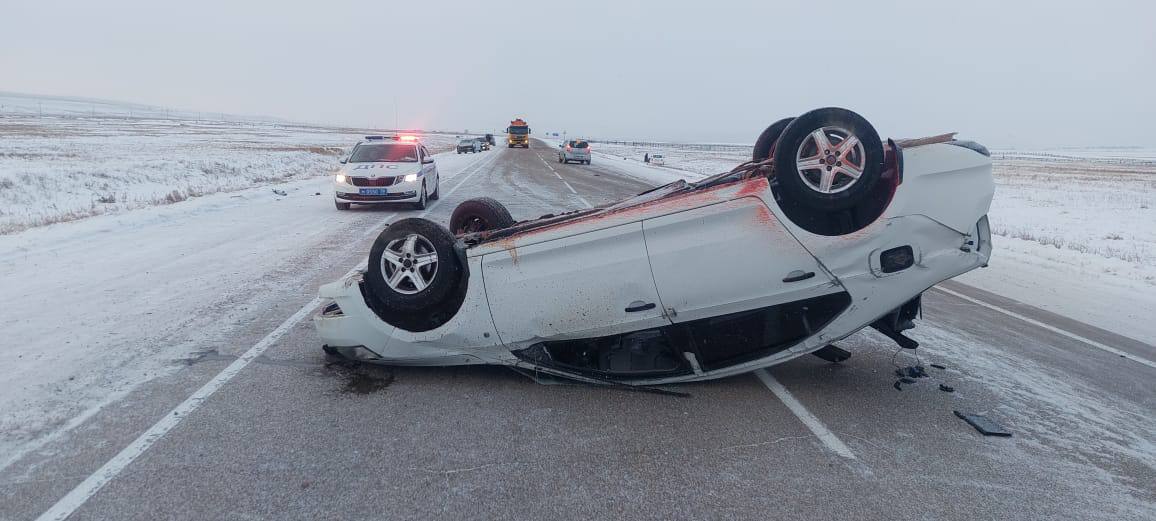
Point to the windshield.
(579, 144)
(384, 153)
(466, 142)
(519, 130)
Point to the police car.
(387, 169)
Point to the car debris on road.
(983, 424)
(827, 230)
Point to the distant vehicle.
(485, 144)
(469, 146)
(574, 150)
(387, 169)
(490, 139)
(518, 134)
(826, 231)
(657, 159)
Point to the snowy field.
(1075, 228)
(81, 159)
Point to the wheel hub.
(409, 264)
(830, 160)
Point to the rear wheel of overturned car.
(478, 215)
(413, 267)
(765, 145)
(828, 159)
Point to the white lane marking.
(110, 470)
(1037, 323)
(90, 486)
(829, 439)
(572, 190)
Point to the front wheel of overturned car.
(413, 266)
(828, 159)
(478, 215)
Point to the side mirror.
(344, 160)
(427, 160)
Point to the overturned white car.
(826, 231)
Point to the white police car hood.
(391, 169)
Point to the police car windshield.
(384, 153)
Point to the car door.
(429, 169)
(587, 285)
(729, 257)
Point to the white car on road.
(574, 150)
(826, 231)
(387, 169)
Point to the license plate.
(373, 191)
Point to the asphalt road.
(296, 436)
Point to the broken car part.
(983, 424)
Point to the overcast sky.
(1004, 73)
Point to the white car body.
(716, 252)
(657, 160)
(379, 182)
(574, 150)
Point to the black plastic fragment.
(916, 371)
(832, 353)
(897, 387)
(906, 380)
(937, 366)
(984, 425)
(946, 388)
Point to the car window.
(424, 151)
(384, 153)
(579, 144)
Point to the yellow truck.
(518, 134)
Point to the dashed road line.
(88, 488)
(1054, 329)
(828, 438)
(559, 176)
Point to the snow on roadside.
(56, 169)
(94, 308)
(1078, 238)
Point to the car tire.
(828, 186)
(423, 199)
(416, 288)
(480, 214)
(765, 144)
(342, 206)
(437, 193)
